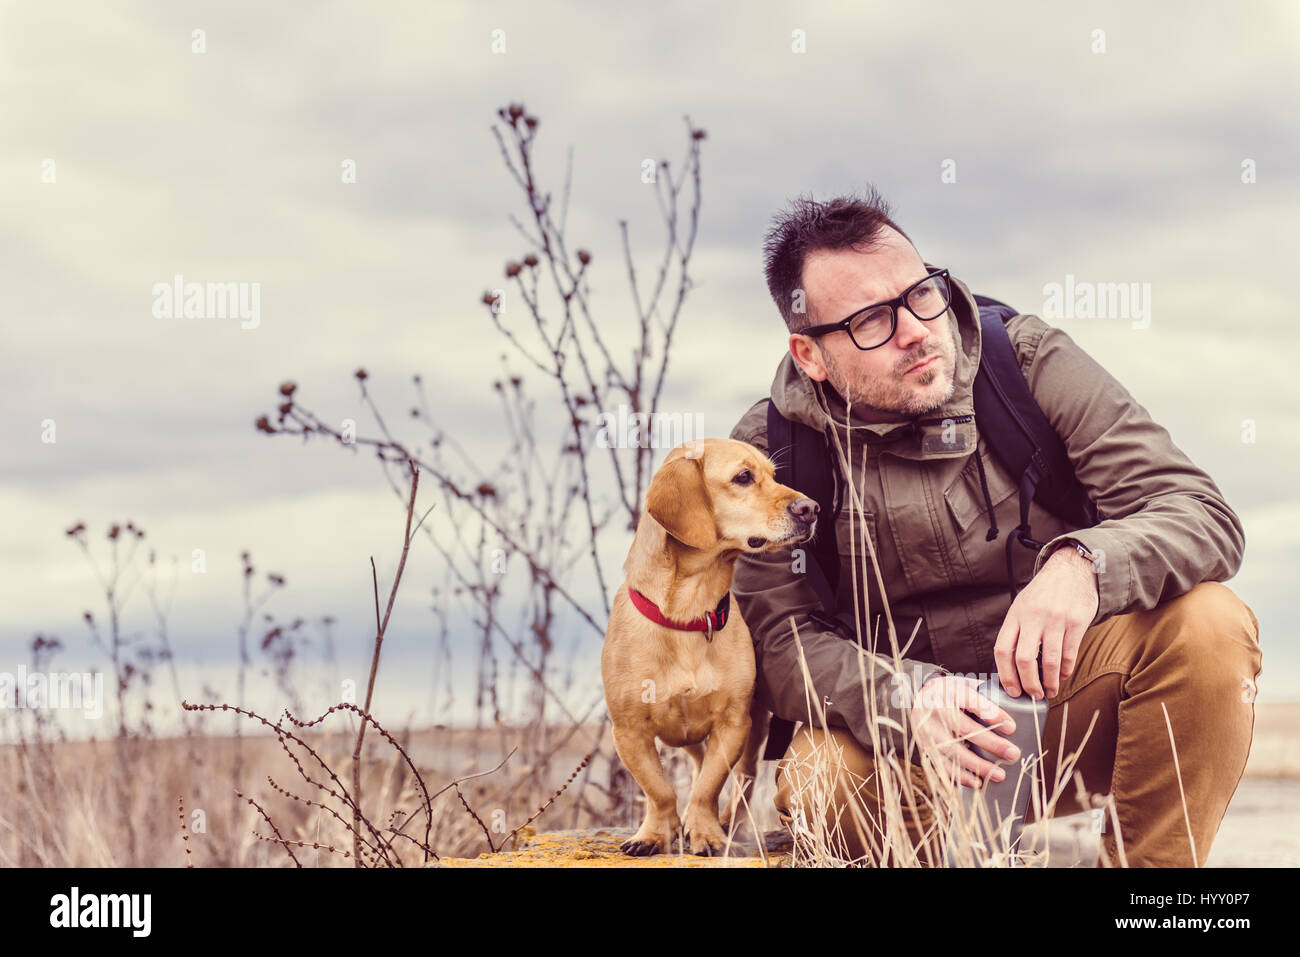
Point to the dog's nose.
(805, 510)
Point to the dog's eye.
(744, 478)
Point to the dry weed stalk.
(544, 510)
(185, 831)
(380, 627)
(370, 846)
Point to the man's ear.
(678, 500)
(807, 357)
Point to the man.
(1129, 618)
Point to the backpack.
(1012, 424)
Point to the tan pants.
(1198, 655)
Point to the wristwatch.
(1078, 547)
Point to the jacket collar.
(712, 621)
(818, 405)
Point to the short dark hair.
(845, 222)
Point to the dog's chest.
(689, 703)
(694, 690)
(692, 673)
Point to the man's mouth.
(922, 366)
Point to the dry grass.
(960, 833)
(61, 800)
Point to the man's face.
(876, 381)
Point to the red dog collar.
(712, 621)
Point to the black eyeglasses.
(871, 327)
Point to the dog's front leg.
(640, 756)
(703, 830)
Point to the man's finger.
(960, 762)
(948, 744)
(1070, 650)
(967, 697)
(995, 717)
(1003, 654)
(1053, 641)
(1027, 659)
(972, 762)
(933, 739)
(990, 741)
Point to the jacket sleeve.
(856, 690)
(1165, 525)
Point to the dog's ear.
(678, 501)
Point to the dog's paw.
(707, 844)
(635, 847)
(648, 840)
(704, 835)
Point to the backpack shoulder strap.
(1010, 420)
(802, 457)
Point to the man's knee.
(1212, 606)
(826, 785)
(1212, 634)
(819, 752)
(825, 770)
(822, 766)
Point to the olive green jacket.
(1165, 528)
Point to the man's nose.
(910, 329)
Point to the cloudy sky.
(1109, 145)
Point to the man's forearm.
(848, 686)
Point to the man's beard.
(887, 395)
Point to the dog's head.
(722, 494)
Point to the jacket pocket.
(856, 563)
(965, 496)
(985, 560)
(850, 531)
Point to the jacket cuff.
(923, 672)
(906, 688)
(1110, 563)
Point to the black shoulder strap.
(802, 457)
(1011, 422)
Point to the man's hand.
(939, 720)
(1052, 612)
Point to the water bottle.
(1003, 801)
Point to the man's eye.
(744, 478)
(871, 320)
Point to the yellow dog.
(678, 660)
